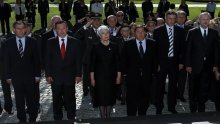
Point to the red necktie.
(63, 49)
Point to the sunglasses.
(120, 15)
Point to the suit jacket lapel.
(68, 47)
(165, 33)
(58, 47)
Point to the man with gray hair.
(201, 61)
(180, 22)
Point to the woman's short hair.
(101, 29)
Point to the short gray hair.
(101, 29)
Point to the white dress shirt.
(143, 44)
(97, 8)
(168, 29)
(202, 31)
(17, 9)
(60, 41)
(211, 7)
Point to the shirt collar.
(167, 26)
(22, 39)
(65, 38)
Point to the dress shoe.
(10, 112)
(122, 102)
(173, 111)
(159, 111)
(182, 99)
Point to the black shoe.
(10, 112)
(159, 111)
(173, 111)
(85, 93)
(122, 102)
(182, 99)
(1, 110)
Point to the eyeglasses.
(120, 15)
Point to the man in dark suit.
(170, 39)
(38, 39)
(31, 11)
(147, 9)
(201, 61)
(88, 37)
(138, 62)
(5, 14)
(180, 21)
(49, 34)
(163, 7)
(22, 70)
(63, 69)
(43, 9)
(5, 86)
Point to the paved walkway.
(84, 107)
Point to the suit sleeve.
(182, 47)
(118, 59)
(79, 60)
(124, 59)
(216, 47)
(7, 62)
(93, 60)
(36, 59)
(48, 58)
(189, 40)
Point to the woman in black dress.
(105, 72)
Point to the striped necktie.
(20, 48)
(170, 35)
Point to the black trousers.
(25, 92)
(43, 18)
(86, 78)
(3, 22)
(181, 83)
(19, 17)
(199, 89)
(31, 19)
(138, 97)
(217, 96)
(171, 69)
(63, 94)
(7, 95)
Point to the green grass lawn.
(194, 12)
(136, 1)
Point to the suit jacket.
(163, 8)
(23, 69)
(45, 37)
(133, 66)
(31, 8)
(161, 36)
(43, 7)
(5, 11)
(64, 11)
(38, 40)
(199, 51)
(2, 42)
(146, 8)
(63, 71)
(88, 38)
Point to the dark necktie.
(205, 35)
(20, 10)
(170, 35)
(20, 48)
(63, 49)
(141, 50)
